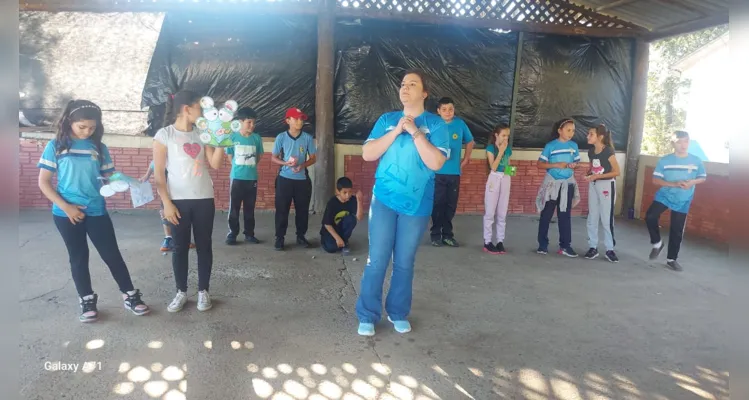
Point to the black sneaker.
(569, 252)
(451, 242)
(231, 239)
(279, 244)
(500, 248)
(674, 265)
(134, 303)
(437, 242)
(251, 239)
(591, 254)
(542, 250)
(302, 241)
(611, 256)
(490, 248)
(89, 313)
(656, 251)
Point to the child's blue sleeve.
(311, 147)
(576, 154)
(277, 145)
(659, 171)
(439, 136)
(701, 173)
(107, 165)
(48, 160)
(508, 152)
(545, 153)
(467, 135)
(378, 130)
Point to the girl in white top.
(188, 194)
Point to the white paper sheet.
(141, 193)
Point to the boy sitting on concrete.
(341, 215)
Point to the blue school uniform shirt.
(505, 157)
(402, 181)
(78, 170)
(557, 151)
(299, 147)
(458, 135)
(245, 153)
(673, 168)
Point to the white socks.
(657, 245)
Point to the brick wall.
(472, 184)
(709, 213)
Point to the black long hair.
(78, 110)
(175, 102)
(557, 126)
(601, 130)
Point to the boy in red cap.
(294, 150)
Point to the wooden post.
(324, 108)
(515, 86)
(636, 122)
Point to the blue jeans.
(563, 217)
(391, 235)
(344, 229)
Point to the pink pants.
(496, 200)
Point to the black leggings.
(198, 215)
(101, 232)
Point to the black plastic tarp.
(475, 67)
(588, 79)
(266, 62)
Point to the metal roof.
(663, 17)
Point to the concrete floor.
(518, 326)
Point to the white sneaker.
(204, 301)
(179, 301)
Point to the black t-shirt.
(335, 211)
(599, 163)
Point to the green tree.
(662, 117)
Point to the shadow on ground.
(518, 326)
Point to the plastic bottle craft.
(118, 183)
(216, 126)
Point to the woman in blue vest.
(411, 145)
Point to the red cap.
(295, 113)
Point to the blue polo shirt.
(458, 135)
(78, 170)
(402, 181)
(505, 156)
(287, 146)
(557, 151)
(672, 168)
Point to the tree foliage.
(662, 116)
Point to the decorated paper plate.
(119, 186)
(107, 191)
(217, 125)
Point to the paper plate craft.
(107, 191)
(140, 192)
(216, 126)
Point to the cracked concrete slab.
(283, 326)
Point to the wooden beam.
(614, 4)
(324, 109)
(488, 23)
(589, 13)
(685, 27)
(636, 122)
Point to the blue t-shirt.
(505, 157)
(458, 135)
(300, 147)
(672, 168)
(245, 153)
(557, 151)
(78, 170)
(402, 181)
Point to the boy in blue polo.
(294, 150)
(245, 155)
(447, 179)
(676, 174)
